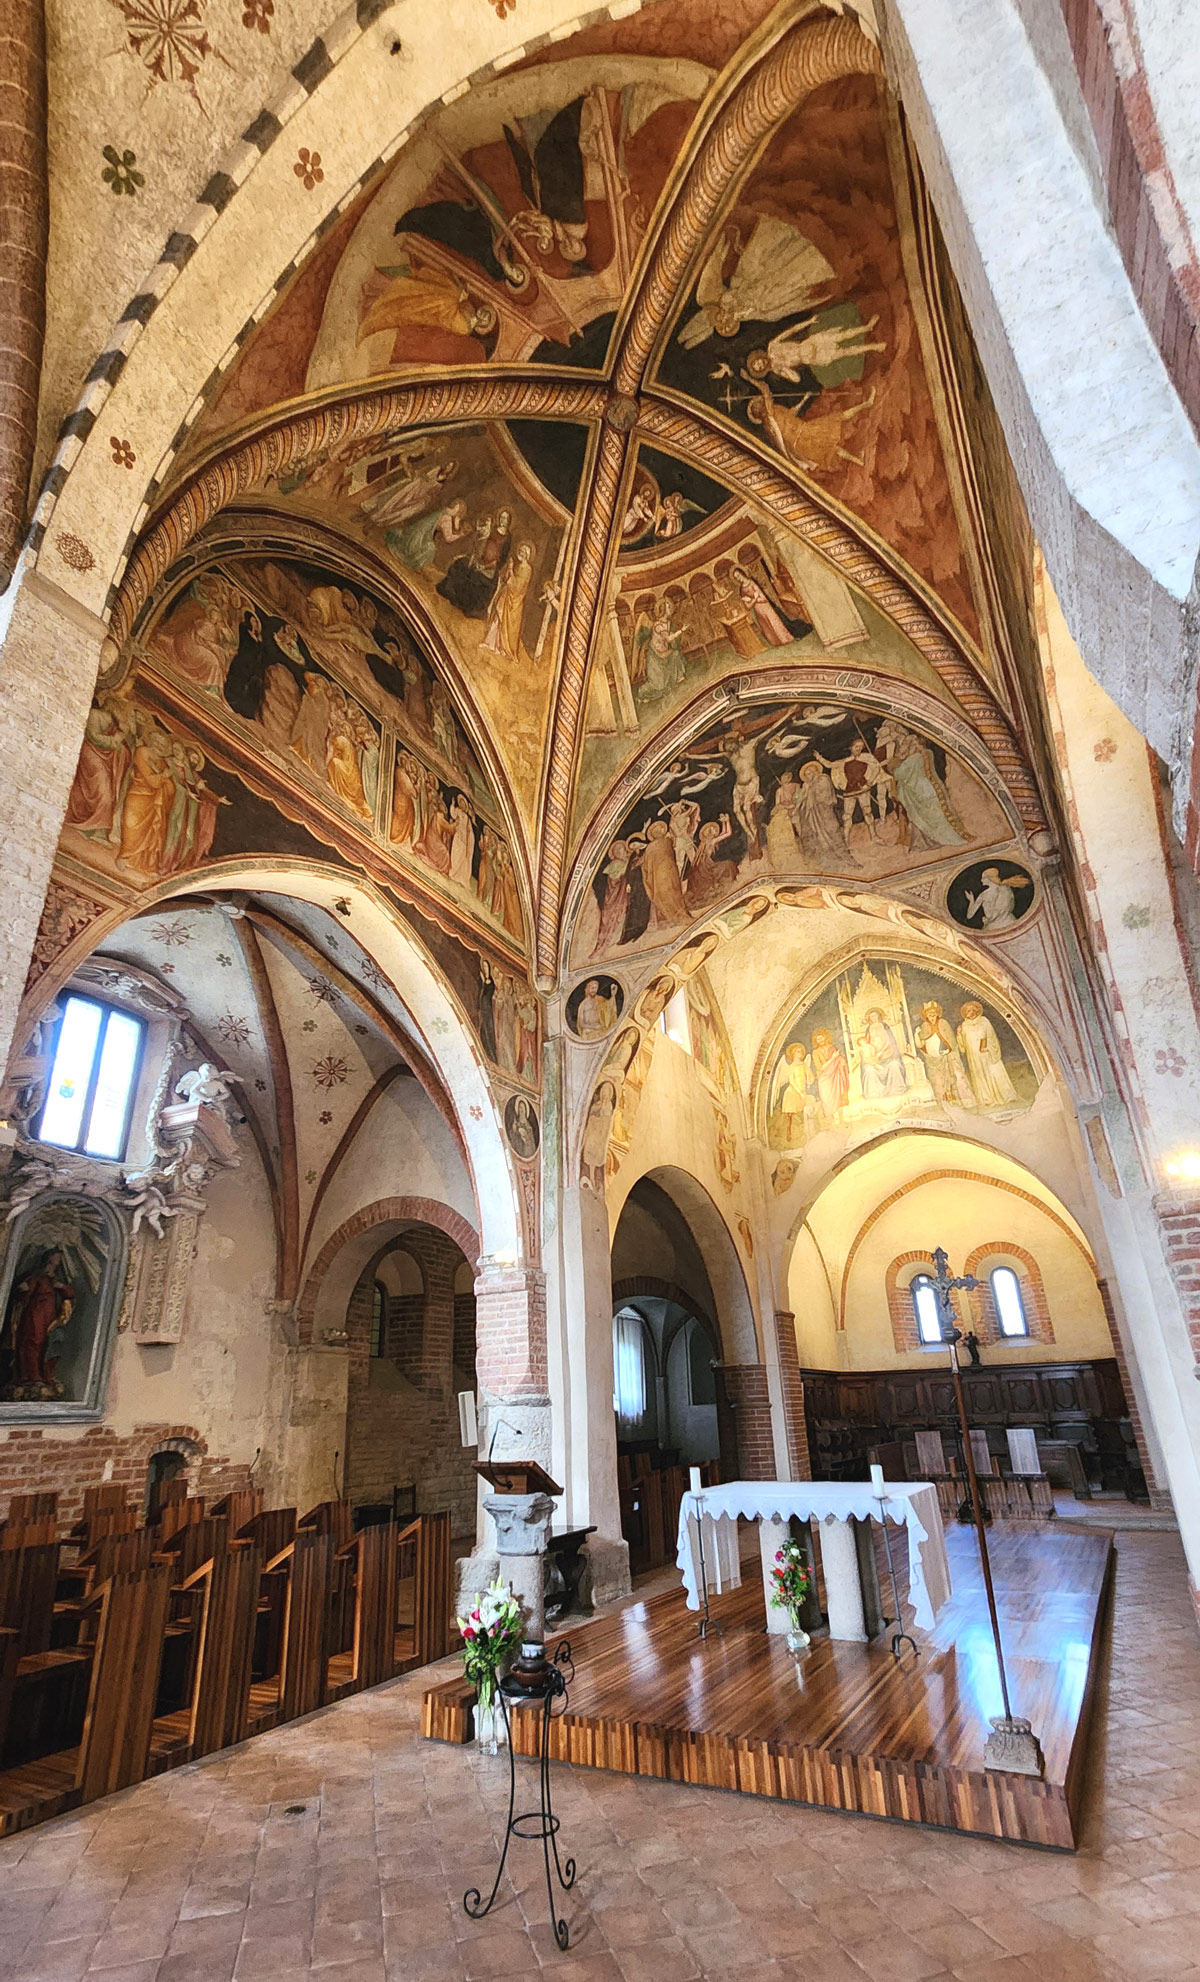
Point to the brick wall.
(795, 1420)
(404, 1426)
(31, 1461)
(744, 1419)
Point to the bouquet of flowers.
(791, 1580)
(491, 1634)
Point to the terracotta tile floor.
(203, 1876)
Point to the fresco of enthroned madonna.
(889, 1038)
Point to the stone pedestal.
(843, 1586)
(522, 1531)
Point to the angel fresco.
(780, 788)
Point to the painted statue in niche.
(889, 1038)
(800, 330)
(778, 789)
(60, 1282)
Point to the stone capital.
(522, 1521)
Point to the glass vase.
(797, 1636)
(491, 1732)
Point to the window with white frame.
(629, 1368)
(925, 1307)
(97, 1054)
(1008, 1302)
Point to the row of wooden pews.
(131, 1646)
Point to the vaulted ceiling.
(626, 414)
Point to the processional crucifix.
(1012, 1744)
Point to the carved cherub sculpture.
(210, 1085)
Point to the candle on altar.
(877, 1486)
(694, 1478)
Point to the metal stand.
(542, 1822)
(708, 1629)
(898, 1637)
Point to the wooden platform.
(847, 1727)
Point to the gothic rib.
(289, 1169)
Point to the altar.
(708, 1555)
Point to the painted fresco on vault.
(777, 789)
(744, 597)
(511, 221)
(800, 329)
(465, 526)
(322, 692)
(887, 1038)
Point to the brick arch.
(938, 1176)
(385, 1210)
(1033, 1292)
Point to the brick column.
(1179, 1222)
(742, 1395)
(510, 1333)
(794, 1417)
(24, 235)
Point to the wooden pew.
(272, 1530)
(329, 1517)
(34, 1506)
(175, 1515)
(163, 1494)
(28, 1584)
(239, 1507)
(129, 1616)
(223, 1593)
(297, 1686)
(431, 1599)
(372, 1556)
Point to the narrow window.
(925, 1306)
(96, 1058)
(378, 1317)
(702, 1387)
(629, 1369)
(1010, 1308)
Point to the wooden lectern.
(517, 1476)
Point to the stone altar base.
(847, 1727)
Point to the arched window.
(629, 1368)
(97, 1052)
(925, 1307)
(378, 1317)
(1006, 1296)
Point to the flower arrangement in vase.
(491, 1633)
(791, 1582)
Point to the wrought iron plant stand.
(549, 1684)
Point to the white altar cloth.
(912, 1505)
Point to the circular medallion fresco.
(521, 1127)
(594, 1007)
(990, 895)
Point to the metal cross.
(944, 1284)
